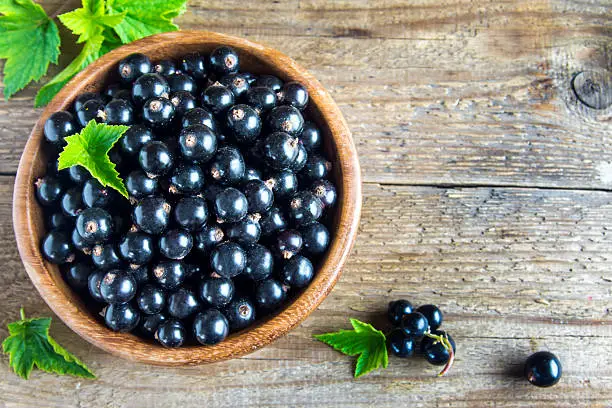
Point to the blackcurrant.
(246, 231)
(244, 123)
(91, 110)
(117, 286)
(79, 174)
(260, 262)
(49, 190)
(155, 159)
(237, 83)
(261, 98)
(269, 81)
(316, 238)
(294, 94)
(272, 222)
(230, 205)
(135, 138)
(105, 257)
(400, 344)
(194, 65)
(434, 352)
(284, 184)
(119, 112)
(259, 196)
(198, 143)
(297, 272)
(182, 303)
(158, 112)
(77, 275)
(288, 243)
(121, 317)
(169, 275)
(210, 327)
(300, 160)
(325, 191)
(251, 173)
(136, 248)
(311, 137)
(180, 81)
(84, 97)
(280, 150)
(60, 220)
(432, 314)
(149, 86)
(150, 323)
(72, 202)
(414, 324)
(175, 244)
(269, 294)
(224, 60)
(199, 116)
(187, 178)
(240, 313)
(152, 215)
(228, 259)
(93, 285)
(58, 126)
(132, 67)
(217, 98)
(227, 167)
(397, 310)
(305, 208)
(285, 119)
(217, 292)
(95, 195)
(170, 333)
(140, 273)
(139, 185)
(191, 213)
(209, 237)
(183, 102)
(95, 225)
(79, 243)
(543, 369)
(164, 67)
(317, 167)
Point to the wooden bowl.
(29, 225)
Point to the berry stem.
(448, 346)
(22, 313)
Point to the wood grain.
(437, 93)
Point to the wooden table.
(487, 192)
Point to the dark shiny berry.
(284, 184)
(325, 191)
(191, 213)
(72, 203)
(164, 67)
(93, 285)
(183, 102)
(246, 231)
(77, 275)
(305, 208)
(543, 369)
(414, 324)
(139, 185)
(280, 150)
(119, 112)
(198, 143)
(294, 94)
(228, 259)
(230, 205)
(273, 221)
(199, 116)
(261, 98)
(170, 333)
(152, 215)
(169, 275)
(237, 83)
(187, 178)
(434, 352)
(121, 317)
(149, 86)
(95, 195)
(224, 60)
(217, 98)
(269, 294)
(84, 97)
(155, 159)
(135, 138)
(79, 243)
(140, 273)
(158, 112)
(58, 126)
(400, 344)
(297, 272)
(105, 257)
(217, 292)
(397, 310)
(316, 238)
(251, 173)
(79, 174)
(181, 82)
(285, 119)
(91, 110)
(289, 243)
(132, 67)
(210, 327)
(311, 137)
(137, 248)
(117, 286)
(182, 303)
(194, 65)
(240, 314)
(49, 190)
(227, 167)
(175, 244)
(300, 160)
(259, 264)
(317, 167)
(432, 314)
(150, 323)
(208, 238)
(259, 196)
(60, 220)
(269, 81)
(95, 225)
(244, 123)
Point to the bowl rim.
(127, 345)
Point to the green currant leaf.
(90, 150)
(145, 17)
(29, 344)
(90, 20)
(29, 41)
(365, 341)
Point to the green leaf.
(90, 20)
(29, 344)
(29, 41)
(145, 17)
(365, 341)
(90, 150)
(89, 53)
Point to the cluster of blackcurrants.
(412, 326)
(229, 197)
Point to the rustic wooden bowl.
(29, 224)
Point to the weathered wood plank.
(439, 93)
(515, 270)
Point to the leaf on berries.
(145, 17)
(90, 148)
(29, 41)
(90, 20)
(29, 344)
(365, 341)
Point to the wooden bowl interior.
(69, 306)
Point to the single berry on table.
(432, 314)
(543, 369)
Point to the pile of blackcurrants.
(229, 198)
(422, 324)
